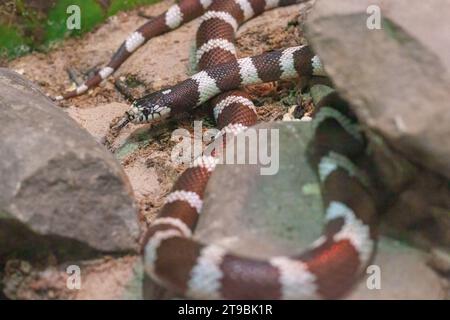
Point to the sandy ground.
(144, 151)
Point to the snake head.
(148, 108)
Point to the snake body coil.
(332, 264)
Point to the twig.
(124, 89)
(144, 15)
(73, 76)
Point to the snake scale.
(333, 263)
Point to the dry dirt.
(161, 62)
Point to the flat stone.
(264, 217)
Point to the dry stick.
(124, 90)
(73, 76)
(146, 16)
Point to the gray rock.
(264, 217)
(397, 78)
(59, 187)
(282, 214)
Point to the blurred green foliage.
(119, 5)
(12, 43)
(55, 29)
(36, 25)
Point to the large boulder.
(396, 77)
(265, 216)
(60, 189)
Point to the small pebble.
(440, 260)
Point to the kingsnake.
(331, 265)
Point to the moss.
(133, 290)
(394, 32)
(4, 215)
(120, 5)
(91, 15)
(311, 189)
(126, 149)
(133, 82)
(28, 28)
(13, 44)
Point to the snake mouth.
(130, 117)
(122, 123)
